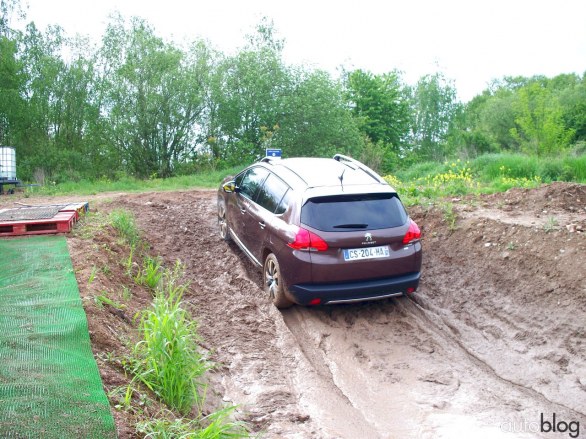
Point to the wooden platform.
(28, 221)
(80, 209)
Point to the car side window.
(284, 204)
(238, 179)
(252, 181)
(271, 193)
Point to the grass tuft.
(217, 425)
(167, 359)
(124, 222)
(151, 273)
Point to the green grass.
(167, 359)
(92, 276)
(550, 225)
(124, 222)
(151, 273)
(103, 299)
(217, 425)
(429, 181)
(421, 170)
(450, 217)
(210, 179)
(490, 173)
(491, 167)
(449, 179)
(92, 223)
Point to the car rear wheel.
(223, 224)
(273, 285)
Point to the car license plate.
(355, 254)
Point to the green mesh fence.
(50, 386)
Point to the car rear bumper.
(348, 292)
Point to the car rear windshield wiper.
(351, 226)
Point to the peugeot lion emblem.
(368, 237)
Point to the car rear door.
(240, 219)
(262, 213)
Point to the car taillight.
(413, 233)
(306, 240)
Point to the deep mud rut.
(493, 339)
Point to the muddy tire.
(223, 224)
(273, 283)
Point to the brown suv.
(324, 231)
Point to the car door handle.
(262, 224)
(242, 210)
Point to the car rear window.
(354, 212)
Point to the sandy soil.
(493, 341)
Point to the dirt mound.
(512, 291)
(551, 206)
(556, 196)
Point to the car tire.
(273, 283)
(223, 224)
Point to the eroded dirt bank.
(494, 338)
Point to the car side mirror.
(230, 187)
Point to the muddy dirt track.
(493, 342)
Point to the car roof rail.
(266, 160)
(344, 158)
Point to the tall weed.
(151, 273)
(167, 359)
(124, 222)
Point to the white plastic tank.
(7, 163)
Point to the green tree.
(11, 105)
(314, 119)
(7, 9)
(258, 102)
(488, 119)
(540, 127)
(572, 98)
(248, 94)
(153, 97)
(53, 132)
(43, 71)
(434, 107)
(536, 115)
(11, 82)
(381, 107)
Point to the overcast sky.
(470, 41)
